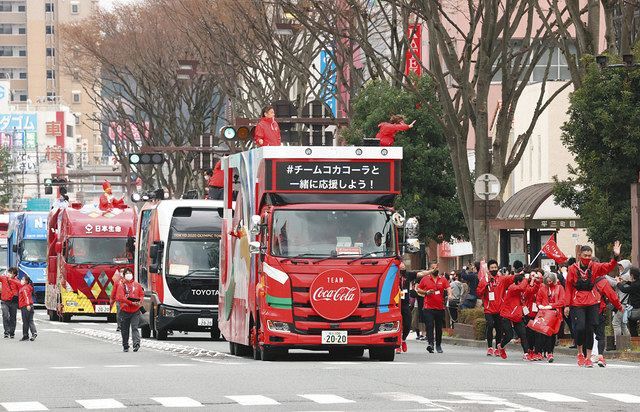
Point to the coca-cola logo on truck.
(334, 294)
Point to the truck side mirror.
(131, 244)
(154, 268)
(14, 248)
(255, 224)
(153, 251)
(255, 247)
(58, 248)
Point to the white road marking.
(342, 363)
(504, 363)
(253, 400)
(178, 402)
(176, 364)
(12, 369)
(67, 367)
(56, 330)
(445, 363)
(484, 399)
(620, 397)
(120, 366)
(100, 404)
(409, 397)
(24, 406)
(551, 397)
(326, 399)
(617, 366)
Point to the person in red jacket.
(117, 284)
(550, 296)
(433, 288)
(388, 130)
(582, 299)
(130, 295)
(9, 298)
(530, 311)
(511, 314)
(608, 294)
(491, 287)
(267, 131)
(25, 303)
(107, 201)
(215, 182)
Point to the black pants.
(507, 333)
(130, 320)
(405, 309)
(27, 322)
(453, 313)
(421, 317)
(494, 322)
(534, 339)
(435, 320)
(9, 312)
(544, 343)
(633, 327)
(216, 193)
(600, 332)
(585, 322)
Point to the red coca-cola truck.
(309, 254)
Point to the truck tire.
(66, 317)
(268, 354)
(145, 331)
(161, 334)
(257, 352)
(53, 315)
(112, 318)
(242, 350)
(232, 348)
(382, 354)
(215, 333)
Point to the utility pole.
(37, 167)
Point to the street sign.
(482, 211)
(487, 187)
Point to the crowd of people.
(531, 303)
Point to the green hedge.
(480, 326)
(469, 316)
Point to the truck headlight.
(274, 326)
(169, 313)
(389, 327)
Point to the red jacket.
(604, 288)
(574, 297)
(439, 285)
(117, 284)
(387, 133)
(492, 291)
(9, 288)
(551, 296)
(530, 297)
(511, 307)
(267, 133)
(129, 290)
(25, 296)
(217, 179)
(106, 204)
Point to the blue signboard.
(38, 205)
(328, 83)
(18, 121)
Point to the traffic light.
(54, 181)
(146, 158)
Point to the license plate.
(205, 322)
(334, 337)
(103, 308)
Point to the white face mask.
(24, 282)
(128, 277)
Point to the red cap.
(106, 185)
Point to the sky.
(107, 4)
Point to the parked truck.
(27, 248)
(309, 253)
(86, 246)
(177, 258)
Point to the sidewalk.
(562, 350)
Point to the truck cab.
(177, 263)
(27, 248)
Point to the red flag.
(552, 250)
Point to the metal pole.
(37, 167)
(486, 216)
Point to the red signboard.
(54, 129)
(334, 294)
(414, 53)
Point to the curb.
(562, 350)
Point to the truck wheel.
(232, 349)
(145, 331)
(161, 334)
(66, 317)
(257, 353)
(215, 333)
(53, 315)
(112, 318)
(382, 354)
(242, 350)
(269, 354)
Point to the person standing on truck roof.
(388, 130)
(117, 284)
(107, 201)
(130, 295)
(9, 301)
(267, 131)
(215, 182)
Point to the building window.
(75, 7)
(51, 74)
(22, 30)
(23, 75)
(48, 7)
(6, 29)
(76, 75)
(23, 97)
(77, 117)
(22, 8)
(6, 51)
(51, 52)
(22, 52)
(5, 6)
(49, 29)
(75, 96)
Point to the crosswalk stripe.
(120, 366)
(551, 397)
(100, 404)
(326, 399)
(178, 402)
(253, 400)
(67, 367)
(23, 406)
(54, 330)
(12, 369)
(620, 397)
(477, 396)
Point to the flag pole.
(534, 259)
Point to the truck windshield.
(103, 250)
(189, 256)
(340, 233)
(33, 250)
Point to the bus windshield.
(189, 256)
(322, 233)
(33, 251)
(103, 250)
